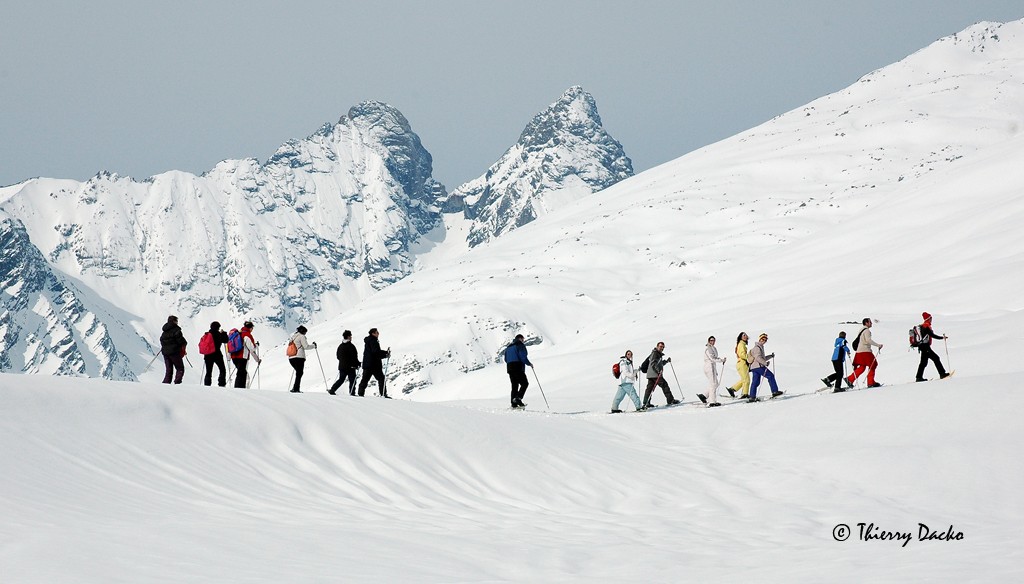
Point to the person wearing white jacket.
(296, 352)
(711, 361)
(627, 379)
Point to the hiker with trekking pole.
(759, 368)
(840, 351)
(373, 363)
(711, 363)
(173, 346)
(348, 362)
(242, 346)
(863, 358)
(296, 353)
(654, 367)
(516, 360)
(921, 339)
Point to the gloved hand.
(668, 359)
(314, 344)
(772, 356)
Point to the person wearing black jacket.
(172, 345)
(925, 346)
(220, 338)
(373, 363)
(348, 362)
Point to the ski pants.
(660, 382)
(299, 365)
(215, 358)
(862, 361)
(928, 354)
(760, 372)
(517, 377)
(377, 374)
(347, 374)
(241, 375)
(174, 364)
(743, 385)
(837, 375)
(626, 388)
(711, 371)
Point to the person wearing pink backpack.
(210, 348)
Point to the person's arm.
(248, 343)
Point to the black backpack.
(856, 342)
(645, 364)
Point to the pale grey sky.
(141, 87)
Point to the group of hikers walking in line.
(752, 363)
(240, 345)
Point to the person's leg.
(649, 391)
(757, 372)
(240, 374)
(524, 382)
(619, 394)
(838, 375)
(771, 380)
(179, 366)
(222, 371)
(666, 390)
(871, 371)
(299, 366)
(381, 382)
(351, 376)
(743, 368)
(364, 381)
(631, 391)
(337, 384)
(712, 394)
(208, 369)
(168, 368)
(928, 353)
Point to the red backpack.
(616, 371)
(206, 344)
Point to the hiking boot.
(294, 391)
(826, 381)
(702, 399)
(776, 393)
(751, 400)
(920, 380)
(875, 384)
(714, 404)
(673, 402)
(732, 392)
(838, 390)
(944, 375)
(616, 411)
(332, 391)
(849, 383)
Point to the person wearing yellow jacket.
(742, 367)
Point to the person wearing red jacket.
(240, 358)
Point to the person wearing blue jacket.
(840, 351)
(516, 360)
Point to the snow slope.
(114, 482)
(896, 195)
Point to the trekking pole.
(387, 364)
(674, 376)
(254, 375)
(321, 367)
(157, 354)
(290, 376)
(948, 360)
(189, 362)
(540, 388)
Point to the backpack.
(917, 337)
(292, 349)
(511, 354)
(206, 344)
(644, 366)
(856, 342)
(616, 371)
(235, 343)
(750, 357)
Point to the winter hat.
(172, 318)
(926, 316)
(347, 334)
(762, 337)
(214, 326)
(247, 324)
(301, 330)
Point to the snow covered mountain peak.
(563, 154)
